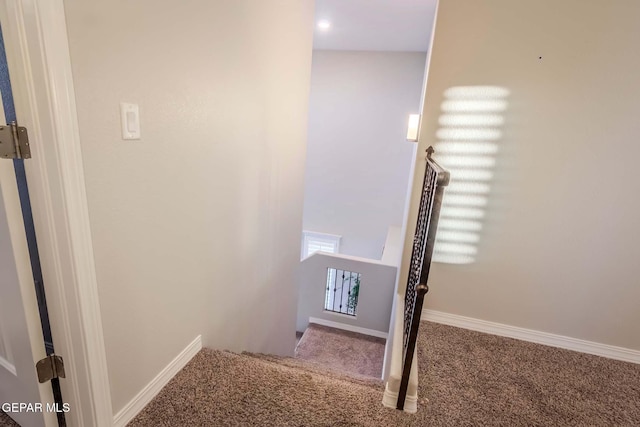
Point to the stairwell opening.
(366, 81)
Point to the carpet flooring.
(466, 379)
(6, 421)
(340, 350)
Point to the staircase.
(323, 386)
(313, 368)
(467, 378)
(222, 388)
(341, 350)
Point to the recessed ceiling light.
(324, 24)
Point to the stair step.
(317, 369)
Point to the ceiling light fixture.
(324, 24)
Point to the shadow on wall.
(467, 143)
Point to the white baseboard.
(350, 328)
(142, 399)
(560, 341)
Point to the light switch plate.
(130, 118)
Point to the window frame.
(309, 237)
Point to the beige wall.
(559, 248)
(196, 226)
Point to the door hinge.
(50, 367)
(14, 142)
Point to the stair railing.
(435, 179)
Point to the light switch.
(130, 116)
(132, 122)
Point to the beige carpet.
(469, 379)
(342, 350)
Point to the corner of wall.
(146, 395)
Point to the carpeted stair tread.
(318, 368)
(6, 421)
(220, 388)
(342, 350)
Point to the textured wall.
(197, 225)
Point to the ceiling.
(384, 25)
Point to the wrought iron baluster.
(335, 288)
(435, 179)
(327, 294)
(355, 299)
(349, 308)
(342, 292)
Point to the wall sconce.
(414, 126)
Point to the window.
(314, 242)
(342, 292)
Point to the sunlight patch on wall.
(467, 142)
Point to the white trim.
(321, 234)
(392, 386)
(553, 340)
(390, 400)
(40, 69)
(351, 258)
(151, 390)
(4, 363)
(393, 363)
(345, 327)
(317, 237)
